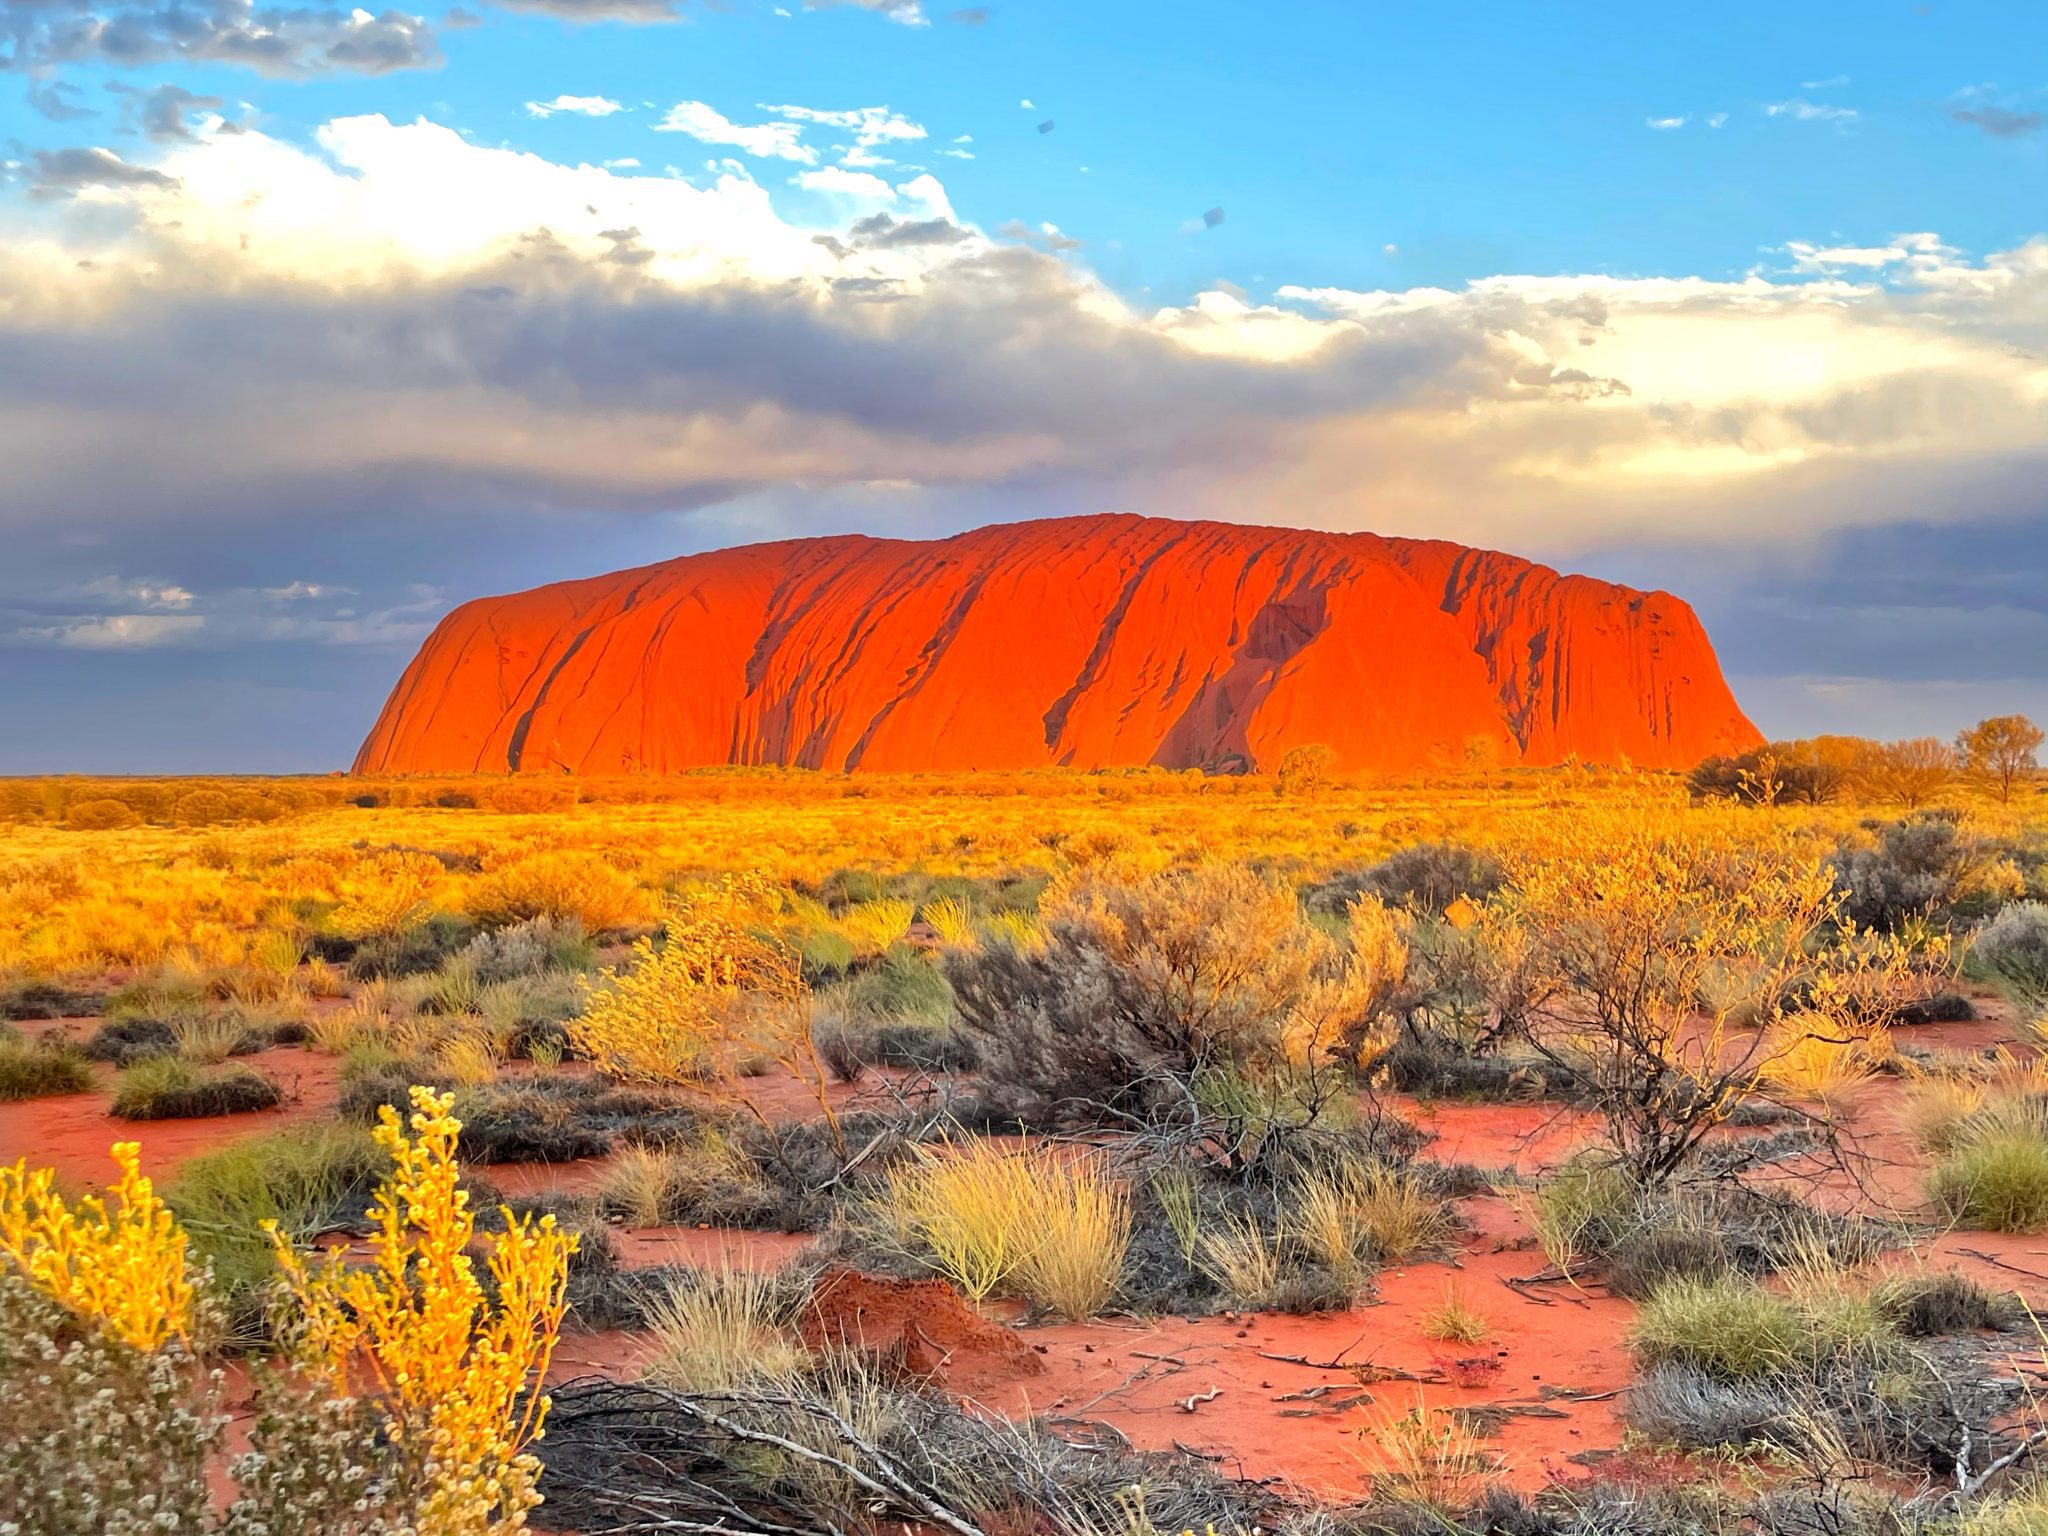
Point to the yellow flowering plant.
(122, 1266)
(446, 1371)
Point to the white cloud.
(623, 163)
(838, 182)
(150, 594)
(113, 631)
(869, 126)
(1028, 104)
(769, 141)
(1717, 119)
(1665, 123)
(1810, 112)
(1824, 85)
(580, 106)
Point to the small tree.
(1910, 773)
(1305, 768)
(1660, 935)
(2001, 749)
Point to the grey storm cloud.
(885, 232)
(276, 40)
(58, 101)
(1999, 122)
(63, 172)
(160, 111)
(909, 387)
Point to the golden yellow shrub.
(447, 1371)
(720, 986)
(557, 885)
(124, 1268)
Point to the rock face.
(1083, 641)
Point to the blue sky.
(1745, 302)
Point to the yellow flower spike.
(124, 1269)
(447, 1370)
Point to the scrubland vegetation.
(1056, 1048)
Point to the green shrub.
(827, 953)
(172, 1088)
(904, 986)
(41, 1071)
(1730, 1328)
(306, 1180)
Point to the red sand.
(1151, 641)
(72, 1133)
(1278, 1417)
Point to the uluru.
(1086, 642)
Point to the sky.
(316, 321)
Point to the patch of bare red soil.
(924, 1325)
(1268, 1395)
(71, 1133)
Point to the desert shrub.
(458, 1408)
(1921, 867)
(1995, 1179)
(692, 1009)
(1729, 1329)
(118, 1263)
(41, 1071)
(1659, 934)
(2013, 948)
(529, 948)
(172, 1088)
(107, 1438)
(105, 814)
(562, 887)
(1426, 877)
(1143, 984)
(1051, 1228)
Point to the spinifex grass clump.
(37, 1071)
(1045, 1225)
(172, 1088)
